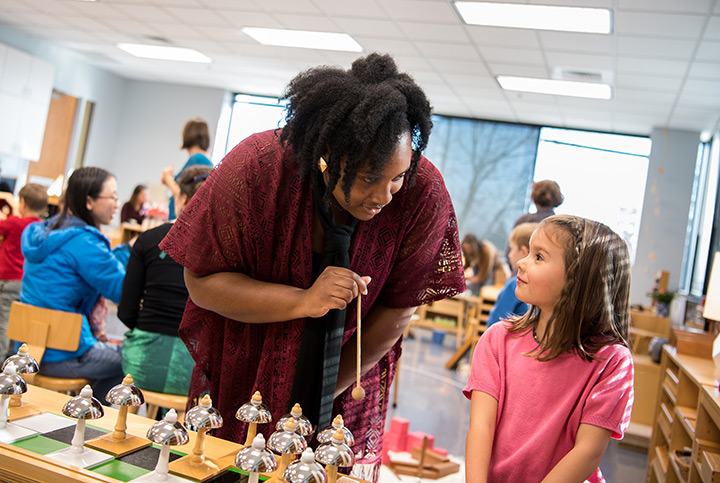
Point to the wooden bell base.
(200, 472)
(107, 444)
(24, 411)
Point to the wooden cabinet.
(25, 90)
(687, 419)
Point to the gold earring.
(322, 164)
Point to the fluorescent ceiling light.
(165, 53)
(305, 39)
(556, 87)
(567, 19)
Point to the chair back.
(43, 328)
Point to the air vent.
(159, 40)
(578, 75)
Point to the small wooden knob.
(128, 380)
(339, 420)
(257, 397)
(358, 393)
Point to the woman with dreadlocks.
(292, 226)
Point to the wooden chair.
(157, 400)
(477, 315)
(44, 329)
(453, 309)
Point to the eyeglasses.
(114, 198)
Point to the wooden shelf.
(687, 414)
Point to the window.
(251, 114)
(602, 176)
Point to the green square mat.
(40, 445)
(120, 471)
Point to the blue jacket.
(68, 269)
(507, 303)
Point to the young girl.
(549, 389)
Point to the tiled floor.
(430, 397)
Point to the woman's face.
(142, 197)
(106, 204)
(371, 192)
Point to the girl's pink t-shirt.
(542, 404)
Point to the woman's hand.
(167, 176)
(333, 289)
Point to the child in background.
(507, 303)
(33, 202)
(549, 389)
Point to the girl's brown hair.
(594, 306)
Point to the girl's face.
(106, 204)
(371, 192)
(541, 274)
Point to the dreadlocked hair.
(594, 305)
(355, 116)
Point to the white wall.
(663, 226)
(136, 127)
(150, 129)
(75, 77)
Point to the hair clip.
(200, 177)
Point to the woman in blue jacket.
(68, 266)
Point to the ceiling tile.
(708, 51)
(512, 56)
(503, 37)
(712, 30)
(642, 96)
(696, 6)
(654, 47)
(318, 23)
(176, 33)
(202, 17)
(413, 10)
(16, 6)
(476, 81)
(241, 19)
(448, 51)
(289, 6)
(590, 62)
(497, 68)
(87, 24)
(395, 46)
(458, 67)
(38, 20)
(100, 10)
(640, 65)
(704, 70)
(370, 28)
(433, 32)
(702, 87)
(146, 13)
(648, 82)
(577, 42)
(659, 24)
(412, 63)
(690, 99)
(351, 8)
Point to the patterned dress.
(254, 215)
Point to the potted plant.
(662, 300)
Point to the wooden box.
(710, 468)
(693, 342)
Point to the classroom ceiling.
(663, 58)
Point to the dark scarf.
(319, 356)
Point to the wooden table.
(23, 466)
(129, 230)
